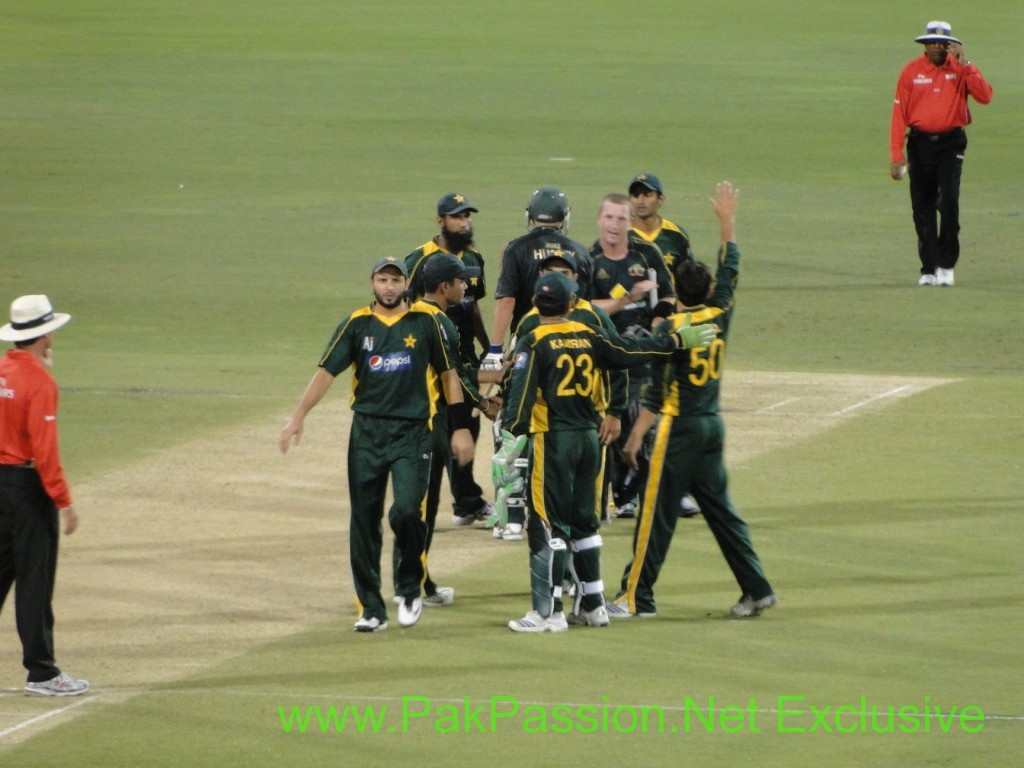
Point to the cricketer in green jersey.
(646, 195)
(610, 394)
(392, 351)
(444, 281)
(688, 451)
(551, 397)
(455, 219)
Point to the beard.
(457, 241)
(399, 298)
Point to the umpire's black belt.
(916, 134)
(18, 467)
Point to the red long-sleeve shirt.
(934, 99)
(28, 421)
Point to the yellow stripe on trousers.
(643, 534)
(537, 479)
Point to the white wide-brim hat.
(32, 317)
(937, 32)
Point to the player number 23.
(706, 363)
(578, 378)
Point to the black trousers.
(468, 496)
(29, 534)
(936, 161)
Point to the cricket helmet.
(548, 205)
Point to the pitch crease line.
(862, 403)
(780, 404)
(46, 716)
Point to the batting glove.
(691, 336)
(493, 360)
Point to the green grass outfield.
(203, 186)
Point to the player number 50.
(706, 362)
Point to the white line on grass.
(46, 716)
(862, 403)
(780, 404)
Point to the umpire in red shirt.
(32, 489)
(930, 112)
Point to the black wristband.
(459, 416)
(662, 309)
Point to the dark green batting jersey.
(672, 241)
(613, 279)
(556, 370)
(392, 360)
(463, 313)
(520, 267)
(688, 384)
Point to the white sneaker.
(485, 513)
(626, 511)
(598, 617)
(688, 507)
(944, 277)
(621, 611)
(482, 515)
(617, 611)
(512, 532)
(61, 685)
(926, 280)
(748, 607)
(443, 596)
(372, 624)
(409, 611)
(534, 622)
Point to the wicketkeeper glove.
(503, 462)
(494, 359)
(514, 486)
(691, 336)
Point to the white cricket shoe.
(944, 277)
(371, 624)
(626, 512)
(597, 617)
(535, 623)
(688, 507)
(443, 596)
(512, 532)
(748, 607)
(926, 280)
(621, 610)
(61, 685)
(409, 611)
